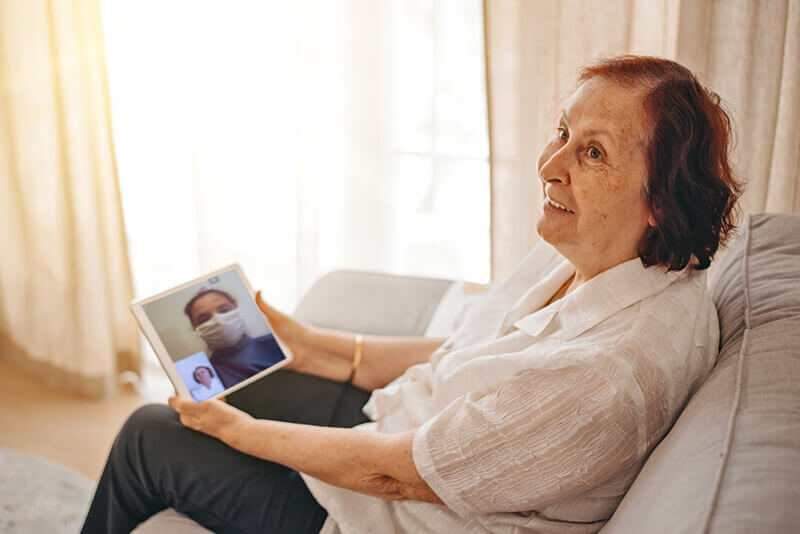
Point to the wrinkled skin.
(594, 165)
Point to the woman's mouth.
(555, 205)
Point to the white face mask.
(223, 330)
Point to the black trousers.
(156, 463)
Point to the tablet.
(210, 336)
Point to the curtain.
(747, 51)
(296, 138)
(65, 284)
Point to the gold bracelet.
(357, 356)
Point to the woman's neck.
(592, 263)
(565, 288)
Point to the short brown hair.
(690, 188)
(188, 308)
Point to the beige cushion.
(731, 463)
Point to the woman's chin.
(549, 231)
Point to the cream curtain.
(64, 279)
(747, 50)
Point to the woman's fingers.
(179, 404)
(291, 331)
(265, 308)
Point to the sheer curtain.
(65, 283)
(748, 51)
(299, 137)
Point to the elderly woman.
(537, 414)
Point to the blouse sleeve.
(543, 436)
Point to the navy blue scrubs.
(246, 358)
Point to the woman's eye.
(594, 153)
(561, 133)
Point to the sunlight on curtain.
(299, 137)
(65, 282)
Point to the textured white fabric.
(537, 419)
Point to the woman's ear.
(651, 220)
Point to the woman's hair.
(690, 188)
(207, 368)
(188, 308)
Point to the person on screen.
(236, 356)
(208, 387)
(203, 375)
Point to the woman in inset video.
(208, 387)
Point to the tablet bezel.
(150, 332)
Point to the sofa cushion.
(773, 268)
(731, 463)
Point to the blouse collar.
(590, 303)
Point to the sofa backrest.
(372, 303)
(731, 462)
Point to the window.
(299, 137)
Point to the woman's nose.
(555, 168)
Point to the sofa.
(731, 462)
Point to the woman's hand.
(314, 351)
(213, 417)
(329, 353)
(291, 331)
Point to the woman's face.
(594, 165)
(202, 375)
(207, 306)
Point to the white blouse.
(537, 419)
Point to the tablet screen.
(214, 334)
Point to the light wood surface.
(65, 428)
